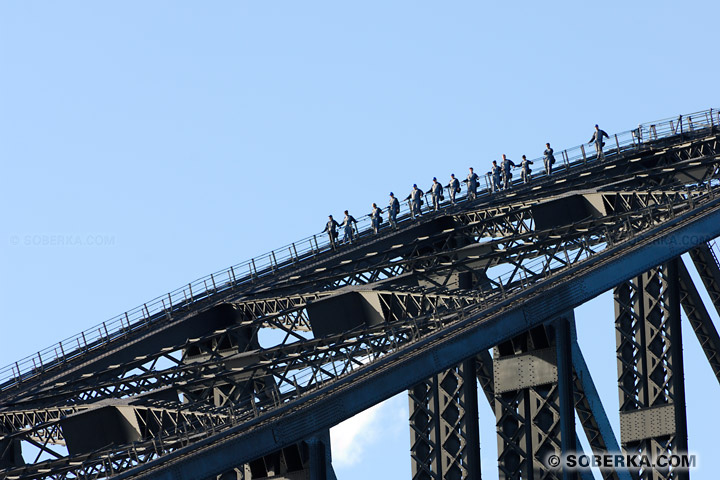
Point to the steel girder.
(700, 320)
(588, 406)
(650, 368)
(444, 431)
(484, 371)
(514, 256)
(706, 263)
(310, 459)
(209, 369)
(222, 366)
(358, 347)
(534, 402)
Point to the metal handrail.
(311, 247)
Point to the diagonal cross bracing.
(505, 238)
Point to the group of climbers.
(500, 178)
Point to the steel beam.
(534, 401)
(444, 431)
(484, 370)
(563, 353)
(706, 264)
(486, 381)
(700, 320)
(650, 368)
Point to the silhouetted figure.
(393, 210)
(548, 159)
(598, 139)
(415, 199)
(376, 218)
(506, 164)
(472, 183)
(437, 194)
(348, 227)
(495, 172)
(453, 188)
(525, 170)
(331, 228)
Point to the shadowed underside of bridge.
(245, 381)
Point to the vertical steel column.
(650, 369)
(11, 453)
(319, 464)
(534, 401)
(444, 431)
(310, 459)
(565, 388)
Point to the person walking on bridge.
(376, 217)
(331, 228)
(453, 187)
(598, 139)
(506, 173)
(393, 210)
(472, 183)
(348, 227)
(548, 159)
(437, 194)
(525, 170)
(494, 176)
(415, 199)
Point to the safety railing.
(289, 256)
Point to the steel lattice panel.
(528, 405)
(444, 432)
(652, 403)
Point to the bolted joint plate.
(647, 423)
(525, 370)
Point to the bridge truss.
(244, 378)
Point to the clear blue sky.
(166, 140)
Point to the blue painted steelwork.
(287, 257)
(459, 341)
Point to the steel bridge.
(240, 375)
